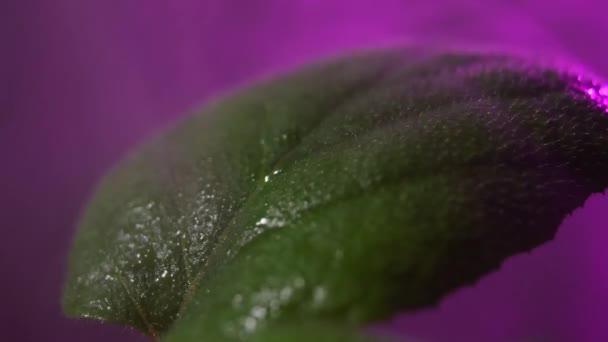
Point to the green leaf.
(340, 193)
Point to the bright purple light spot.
(592, 88)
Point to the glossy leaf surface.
(341, 193)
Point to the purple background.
(82, 81)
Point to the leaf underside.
(336, 195)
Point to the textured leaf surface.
(340, 194)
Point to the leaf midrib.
(361, 87)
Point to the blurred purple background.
(82, 81)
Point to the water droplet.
(258, 312)
(262, 221)
(285, 294)
(319, 295)
(339, 254)
(237, 301)
(250, 324)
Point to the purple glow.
(89, 79)
(592, 88)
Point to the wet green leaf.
(341, 193)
